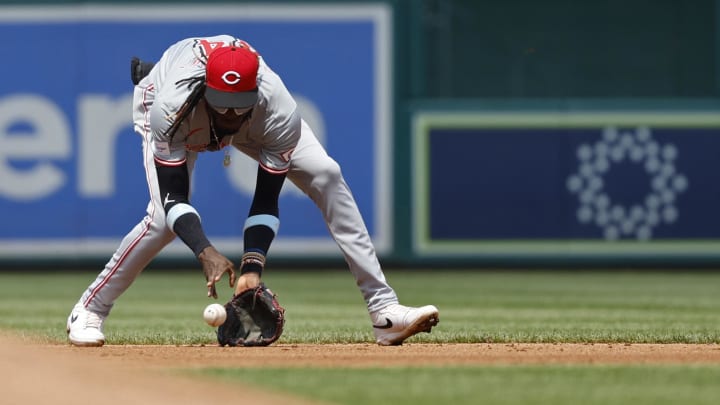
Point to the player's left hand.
(214, 266)
(247, 281)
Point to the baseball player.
(209, 94)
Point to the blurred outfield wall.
(489, 133)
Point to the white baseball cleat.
(395, 323)
(84, 327)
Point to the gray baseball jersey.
(273, 126)
(269, 135)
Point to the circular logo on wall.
(636, 220)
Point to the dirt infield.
(59, 374)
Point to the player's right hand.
(214, 266)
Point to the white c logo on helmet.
(231, 77)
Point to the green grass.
(165, 307)
(555, 385)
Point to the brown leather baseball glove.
(254, 318)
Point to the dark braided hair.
(190, 103)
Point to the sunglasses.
(238, 111)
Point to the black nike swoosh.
(387, 325)
(73, 318)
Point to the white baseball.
(214, 314)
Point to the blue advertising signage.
(72, 181)
(567, 184)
